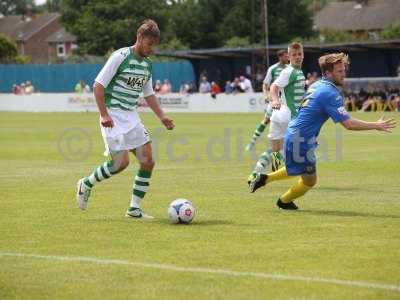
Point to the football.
(181, 211)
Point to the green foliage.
(236, 41)
(16, 7)
(8, 49)
(173, 45)
(9, 52)
(335, 36)
(53, 5)
(22, 59)
(391, 32)
(101, 25)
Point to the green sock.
(140, 187)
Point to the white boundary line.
(362, 284)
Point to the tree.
(104, 24)
(53, 5)
(235, 42)
(16, 7)
(391, 32)
(9, 52)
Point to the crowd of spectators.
(359, 94)
(162, 88)
(372, 97)
(25, 88)
(237, 85)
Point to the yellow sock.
(278, 175)
(296, 191)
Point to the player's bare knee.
(121, 165)
(147, 164)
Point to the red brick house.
(41, 37)
(60, 44)
(359, 17)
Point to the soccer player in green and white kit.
(286, 93)
(272, 73)
(117, 88)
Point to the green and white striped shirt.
(125, 78)
(273, 73)
(292, 84)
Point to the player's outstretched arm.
(105, 119)
(155, 107)
(380, 125)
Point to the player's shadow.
(338, 213)
(197, 222)
(335, 189)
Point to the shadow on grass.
(197, 222)
(338, 213)
(158, 221)
(338, 188)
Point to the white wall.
(252, 102)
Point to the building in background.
(40, 37)
(362, 18)
(60, 44)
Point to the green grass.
(348, 229)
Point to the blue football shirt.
(322, 101)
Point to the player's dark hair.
(280, 53)
(327, 62)
(149, 28)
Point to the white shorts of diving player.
(128, 132)
(279, 122)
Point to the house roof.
(21, 28)
(358, 15)
(61, 36)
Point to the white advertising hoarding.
(197, 103)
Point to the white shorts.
(277, 130)
(279, 123)
(134, 138)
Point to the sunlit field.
(344, 243)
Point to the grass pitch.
(344, 244)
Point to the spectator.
(166, 87)
(228, 87)
(86, 87)
(236, 86)
(79, 87)
(23, 85)
(157, 86)
(184, 88)
(29, 88)
(205, 86)
(245, 84)
(192, 88)
(16, 89)
(215, 89)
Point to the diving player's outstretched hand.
(386, 125)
